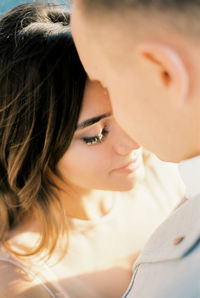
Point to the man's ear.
(169, 68)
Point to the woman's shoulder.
(15, 282)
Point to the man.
(146, 54)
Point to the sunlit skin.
(101, 156)
(147, 72)
(107, 230)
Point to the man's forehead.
(97, 24)
(101, 46)
(88, 46)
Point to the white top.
(190, 173)
(89, 264)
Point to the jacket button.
(178, 240)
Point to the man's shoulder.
(176, 235)
(169, 265)
(177, 278)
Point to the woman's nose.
(124, 144)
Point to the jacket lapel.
(175, 237)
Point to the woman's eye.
(96, 139)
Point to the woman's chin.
(126, 186)
(128, 183)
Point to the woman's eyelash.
(96, 139)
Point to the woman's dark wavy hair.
(42, 83)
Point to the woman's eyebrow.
(92, 121)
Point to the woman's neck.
(87, 204)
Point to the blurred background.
(5, 5)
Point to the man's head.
(146, 53)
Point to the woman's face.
(101, 155)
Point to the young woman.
(78, 197)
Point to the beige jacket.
(169, 266)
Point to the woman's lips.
(130, 167)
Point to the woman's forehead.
(95, 101)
